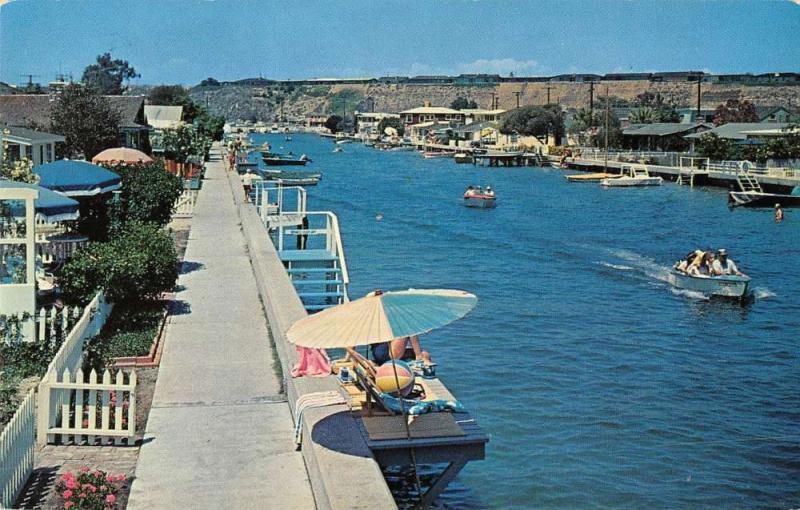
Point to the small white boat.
(632, 175)
(343, 141)
(337, 149)
(726, 285)
(479, 198)
(433, 155)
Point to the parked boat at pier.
(433, 155)
(282, 161)
(463, 157)
(761, 199)
(477, 197)
(632, 175)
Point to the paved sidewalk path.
(219, 433)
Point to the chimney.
(426, 103)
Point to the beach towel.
(311, 362)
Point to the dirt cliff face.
(266, 103)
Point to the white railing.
(271, 201)
(184, 205)
(17, 443)
(101, 412)
(69, 356)
(59, 248)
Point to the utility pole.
(607, 108)
(548, 93)
(591, 103)
(494, 98)
(517, 93)
(699, 81)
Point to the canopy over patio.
(51, 206)
(122, 155)
(77, 178)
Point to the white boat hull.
(480, 203)
(625, 182)
(726, 286)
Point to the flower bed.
(87, 490)
(130, 332)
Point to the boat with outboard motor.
(477, 197)
(463, 157)
(632, 175)
(734, 286)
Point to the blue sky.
(184, 41)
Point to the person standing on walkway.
(247, 183)
(778, 213)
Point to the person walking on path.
(247, 183)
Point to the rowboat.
(480, 199)
(595, 177)
(726, 285)
(632, 175)
(761, 199)
(269, 173)
(431, 155)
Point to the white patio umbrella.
(381, 317)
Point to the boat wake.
(691, 294)
(645, 265)
(616, 266)
(763, 293)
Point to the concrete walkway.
(219, 433)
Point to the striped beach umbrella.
(381, 317)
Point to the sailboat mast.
(607, 108)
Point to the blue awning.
(77, 178)
(51, 206)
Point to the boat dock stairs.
(309, 244)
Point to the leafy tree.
(392, 122)
(538, 121)
(333, 123)
(461, 103)
(735, 111)
(784, 147)
(212, 126)
(106, 76)
(147, 195)
(667, 113)
(711, 146)
(209, 82)
(19, 170)
(590, 128)
(175, 95)
(86, 119)
(136, 265)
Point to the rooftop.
(432, 110)
(736, 130)
(26, 110)
(26, 136)
(160, 116)
(662, 128)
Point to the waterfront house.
(367, 122)
(473, 115)
(430, 113)
(774, 114)
(430, 132)
(23, 143)
(737, 132)
(33, 111)
(159, 117)
(478, 134)
(661, 136)
(316, 120)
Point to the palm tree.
(644, 115)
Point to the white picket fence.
(16, 451)
(50, 321)
(69, 357)
(184, 206)
(100, 412)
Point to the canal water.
(600, 385)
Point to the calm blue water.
(601, 387)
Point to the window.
(13, 268)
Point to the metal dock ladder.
(747, 182)
(309, 244)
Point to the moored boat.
(632, 175)
(281, 161)
(477, 197)
(463, 157)
(733, 286)
(761, 199)
(432, 155)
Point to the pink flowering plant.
(89, 490)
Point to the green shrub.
(129, 331)
(138, 264)
(148, 194)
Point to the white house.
(367, 122)
(25, 143)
